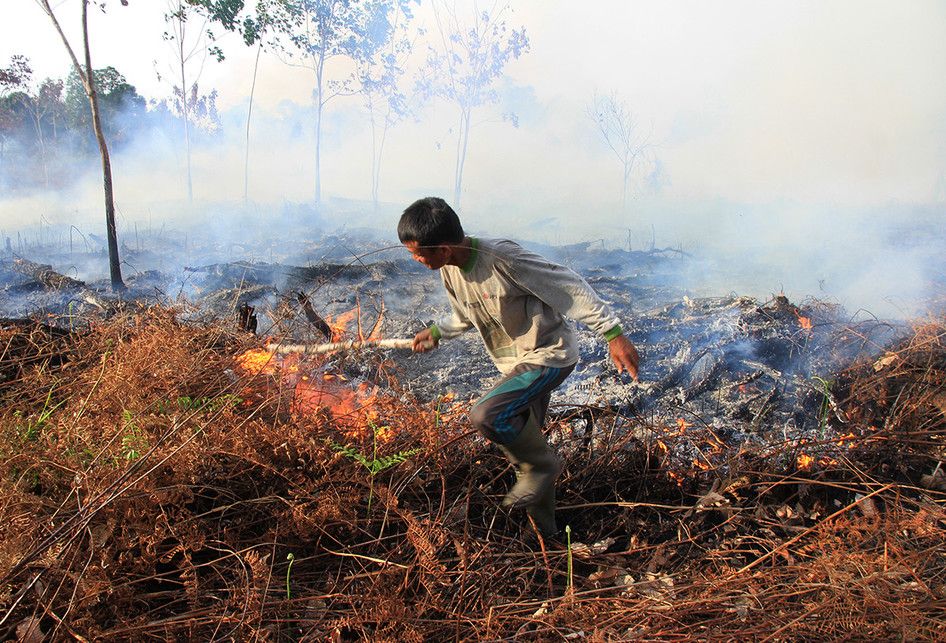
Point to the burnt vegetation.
(776, 477)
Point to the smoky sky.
(793, 139)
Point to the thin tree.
(44, 106)
(14, 80)
(249, 116)
(462, 68)
(88, 82)
(380, 84)
(329, 29)
(620, 131)
(312, 32)
(189, 45)
(264, 25)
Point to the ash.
(716, 372)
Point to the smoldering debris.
(168, 479)
(156, 436)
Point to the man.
(518, 301)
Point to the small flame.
(339, 324)
(353, 410)
(683, 425)
(257, 361)
(805, 461)
(700, 464)
(676, 477)
(848, 437)
(804, 322)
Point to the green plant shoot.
(291, 557)
(568, 545)
(375, 465)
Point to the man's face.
(434, 257)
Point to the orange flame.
(804, 322)
(353, 410)
(257, 361)
(805, 461)
(683, 425)
(315, 392)
(848, 437)
(339, 325)
(342, 321)
(700, 464)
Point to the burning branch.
(315, 349)
(314, 318)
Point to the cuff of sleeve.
(614, 332)
(435, 332)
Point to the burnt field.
(170, 470)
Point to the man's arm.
(624, 355)
(567, 292)
(456, 324)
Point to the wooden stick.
(310, 349)
(314, 318)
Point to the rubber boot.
(537, 468)
(543, 513)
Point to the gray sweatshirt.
(518, 301)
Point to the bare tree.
(88, 82)
(379, 74)
(313, 33)
(262, 24)
(43, 106)
(620, 130)
(471, 55)
(189, 45)
(328, 29)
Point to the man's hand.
(424, 341)
(623, 354)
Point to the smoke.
(800, 149)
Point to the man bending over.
(522, 305)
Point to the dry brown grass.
(152, 489)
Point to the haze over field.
(797, 146)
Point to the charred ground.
(775, 475)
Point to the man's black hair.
(430, 222)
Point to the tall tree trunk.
(40, 138)
(377, 149)
(376, 183)
(249, 113)
(184, 105)
(319, 104)
(627, 176)
(374, 155)
(88, 82)
(114, 265)
(461, 156)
